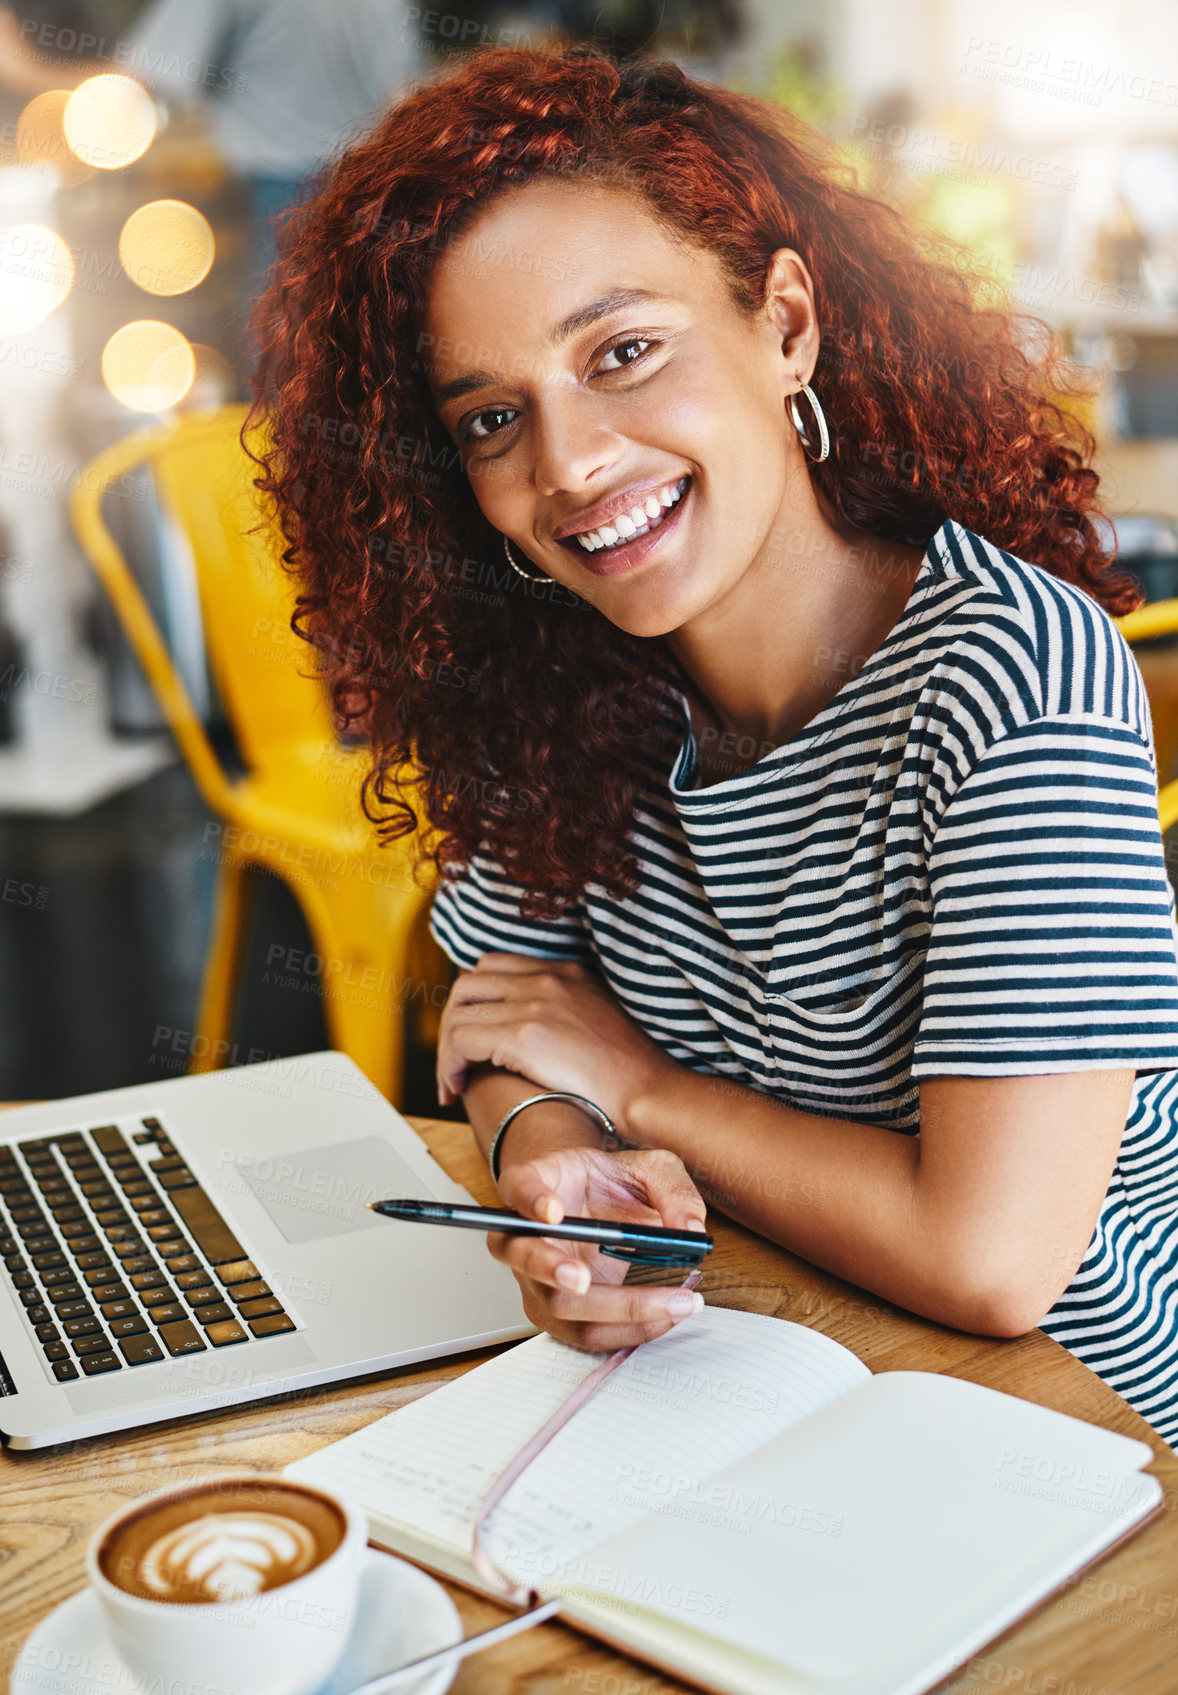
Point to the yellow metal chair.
(1159, 618)
(297, 812)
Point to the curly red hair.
(519, 719)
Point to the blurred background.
(180, 882)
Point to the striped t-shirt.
(954, 868)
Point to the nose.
(574, 447)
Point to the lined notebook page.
(894, 1535)
(430, 1464)
(711, 1390)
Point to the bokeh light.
(214, 383)
(166, 247)
(148, 366)
(109, 121)
(36, 271)
(41, 141)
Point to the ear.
(792, 318)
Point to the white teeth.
(636, 522)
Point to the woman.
(793, 789)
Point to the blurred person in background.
(282, 83)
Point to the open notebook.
(743, 1504)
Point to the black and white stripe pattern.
(954, 868)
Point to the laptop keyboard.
(119, 1257)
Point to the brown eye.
(469, 434)
(631, 341)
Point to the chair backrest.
(1155, 618)
(1159, 618)
(265, 674)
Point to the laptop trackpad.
(315, 1192)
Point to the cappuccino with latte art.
(222, 1544)
(185, 1578)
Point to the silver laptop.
(176, 1247)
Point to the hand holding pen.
(573, 1290)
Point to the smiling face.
(666, 404)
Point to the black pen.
(645, 1243)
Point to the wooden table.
(1114, 1632)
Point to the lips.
(624, 555)
(608, 511)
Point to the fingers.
(630, 1304)
(584, 1302)
(487, 984)
(629, 1185)
(451, 1062)
(530, 962)
(543, 1261)
(532, 1192)
(571, 1294)
(493, 1013)
(469, 989)
(608, 1318)
(464, 1042)
(497, 1032)
(670, 1190)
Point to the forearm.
(847, 1197)
(490, 1092)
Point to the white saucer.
(403, 1615)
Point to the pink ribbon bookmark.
(483, 1564)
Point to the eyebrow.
(579, 319)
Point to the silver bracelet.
(550, 1095)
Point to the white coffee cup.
(285, 1640)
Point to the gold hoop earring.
(528, 576)
(820, 421)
